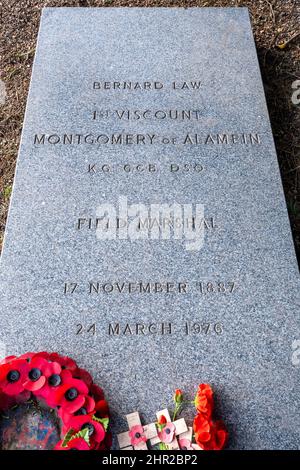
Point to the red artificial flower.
(185, 444)
(105, 444)
(36, 379)
(96, 392)
(28, 356)
(61, 384)
(220, 436)
(137, 436)
(101, 409)
(12, 376)
(72, 395)
(7, 359)
(209, 435)
(96, 430)
(69, 419)
(83, 375)
(65, 361)
(55, 378)
(178, 396)
(202, 430)
(43, 354)
(204, 400)
(162, 420)
(77, 443)
(167, 434)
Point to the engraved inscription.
(148, 114)
(146, 85)
(151, 287)
(147, 139)
(164, 328)
(145, 168)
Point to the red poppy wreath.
(57, 382)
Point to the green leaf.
(160, 427)
(163, 446)
(103, 421)
(84, 434)
(67, 437)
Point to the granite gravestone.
(148, 234)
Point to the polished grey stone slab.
(156, 106)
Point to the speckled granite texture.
(246, 353)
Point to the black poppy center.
(34, 374)
(168, 431)
(137, 435)
(13, 376)
(81, 411)
(71, 394)
(89, 427)
(54, 380)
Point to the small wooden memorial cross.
(185, 440)
(149, 431)
(180, 428)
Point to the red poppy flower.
(28, 356)
(209, 435)
(104, 445)
(43, 354)
(219, 437)
(96, 392)
(65, 361)
(71, 396)
(62, 385)
(77, 443)
(101, 409)
(36, 379)
(96, 430)
(3, 368)
(7, 359)
(167, 434)
(202, 429)
(88, 408)
(12, 376)
(137, 435)
(204, 400)
(185, 444)
(83, 375)
(55, 377)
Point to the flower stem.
(177, 410)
